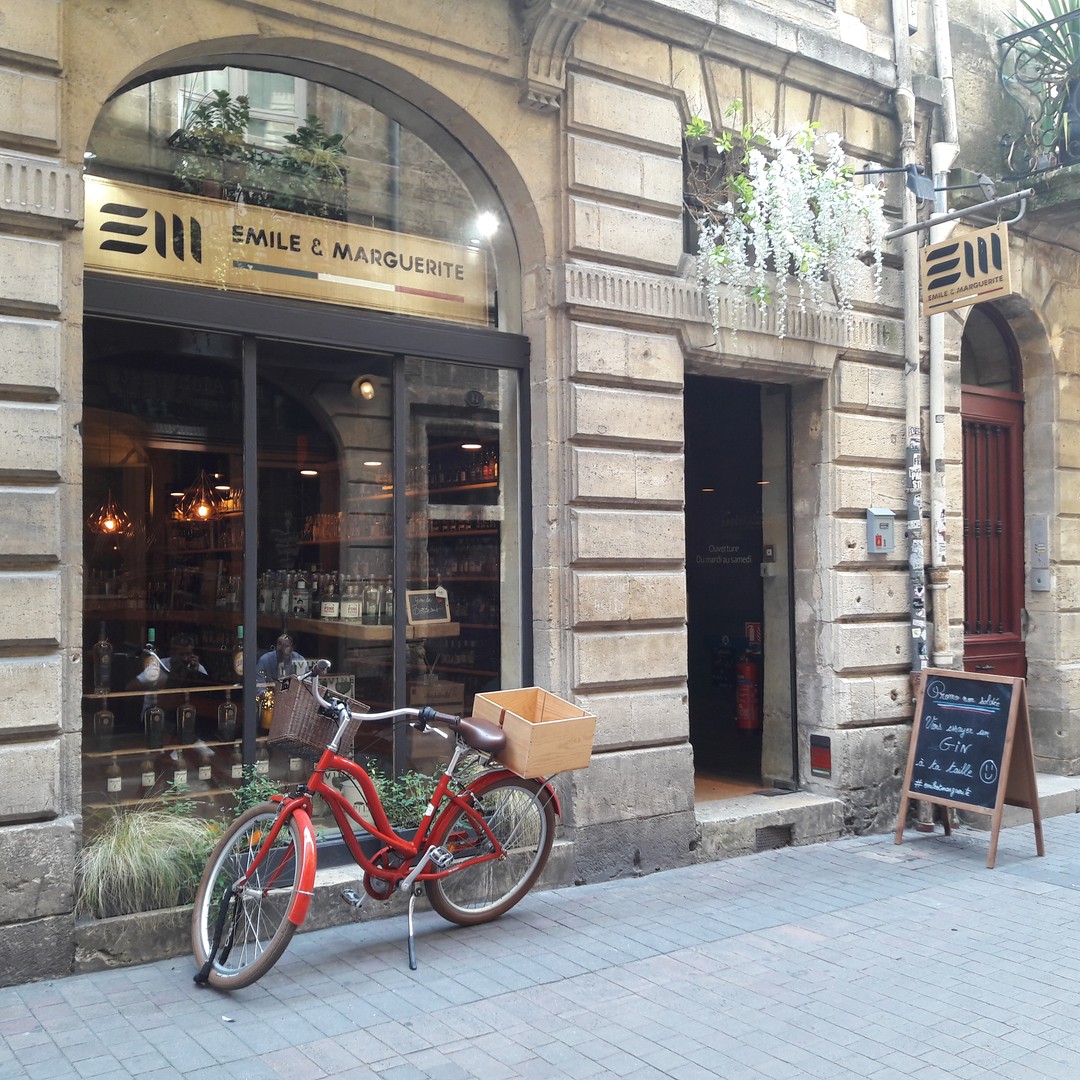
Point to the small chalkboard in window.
(971, 749)
(427, 606)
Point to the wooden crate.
(544, 733)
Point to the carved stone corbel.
(549, 28)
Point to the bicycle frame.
(442, 803)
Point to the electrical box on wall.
(880, 534)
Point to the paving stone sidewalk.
(853, 959)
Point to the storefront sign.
(229, 245)
(966, 270)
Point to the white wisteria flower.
(795, 208)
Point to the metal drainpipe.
(942, 156)
(905, 111)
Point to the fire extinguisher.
(748, 691)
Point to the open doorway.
(738, 587)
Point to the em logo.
(170, 235)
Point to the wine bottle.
(114, 781)
(179, 770)
(226, 718)
(206, 770)
(104, 725)
(371, 603)
(386, 612)
(238, 655)
(103, 657)
(151, 672)
(185, 720)
(262, 761)
(236, 763)
(148, 775)
(330, 605)
(154, 723)
(350, 601)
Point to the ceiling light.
(487, 224)
(470, 446)
(309, 472)
(108, 519)
(363, 388)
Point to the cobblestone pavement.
(854, 959)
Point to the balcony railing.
(1040, 71)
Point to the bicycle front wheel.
(255, 930)
(521, 817)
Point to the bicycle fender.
(485, 780)
(302, 901)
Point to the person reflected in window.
(180, 668)
(280, 662)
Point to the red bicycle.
(480, 846)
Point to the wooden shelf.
(357, 631)
(165, 690)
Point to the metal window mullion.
(400, 502)
(250, 473)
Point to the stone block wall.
(40, 202)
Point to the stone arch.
(482, 154)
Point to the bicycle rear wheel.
(521, 816)
(257, 917)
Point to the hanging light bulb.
(109, 520)
(200, 502)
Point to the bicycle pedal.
(442, 858)
(353, 898)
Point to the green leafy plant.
(1042, 62)
(213, 141)
(141, 859)
(253, 789)
(216, 158)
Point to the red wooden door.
(993, 532)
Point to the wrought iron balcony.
(1040, 71)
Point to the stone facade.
(575, 111)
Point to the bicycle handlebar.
(424, 716)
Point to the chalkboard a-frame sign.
(971, 749)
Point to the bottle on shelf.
(350, 601)
(185, 720)
(301, 596)
(330, 603)
(296, 769)
(236, 763)
(206, 770)
(103, 657)
(386, 612)
(284, 593)
(154, 723)
(238, 656)
(104, 725)
(151, 662)
(372, 603)
(226, 718)
(177, 770)
(147, 776)
(262, 761)
(114, 781)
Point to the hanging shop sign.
(966, 269)
(222, 244)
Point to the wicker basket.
(299, 730)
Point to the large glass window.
(382, 532)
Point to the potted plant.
(1045, 62)
(212, 144)
(308, 177)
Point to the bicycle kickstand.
(412, 942)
